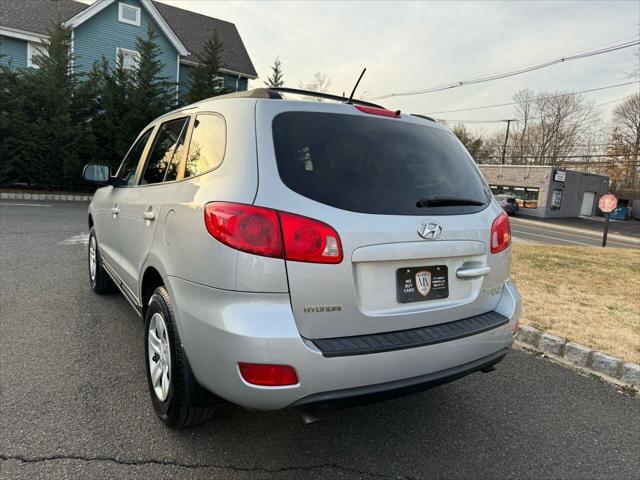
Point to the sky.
(412, 45)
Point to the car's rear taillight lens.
(267, 232)
(308, 240)
(245, 227)
(267, 375)
(500, 233)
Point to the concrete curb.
(46, 197)
(585, 358)
(614, 236)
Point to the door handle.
(473, 272)
(149, 215)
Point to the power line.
(517, 71)
(498, 121)
(539, 98)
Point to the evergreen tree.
(205, 77)
(110, 127)
(150, 94)
(46, 135)
(277, 78)
(8, 103)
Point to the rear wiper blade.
(444, 201)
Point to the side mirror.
(97, 173)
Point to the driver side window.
(127, 171)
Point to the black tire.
(186, 403)
(101, 282)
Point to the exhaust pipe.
(308, 418)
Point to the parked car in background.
(508, 203)
(302, 254)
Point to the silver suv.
(302, 254)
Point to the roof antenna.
(356, 85)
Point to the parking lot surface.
(74, 401)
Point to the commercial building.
(548, 191)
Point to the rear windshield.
(375, 165)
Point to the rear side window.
(127, 170)
(164, 157)
(374, 165)
(207, 146)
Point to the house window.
(129, 58)
(35, 50)
(129, 14)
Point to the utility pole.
(506, 138)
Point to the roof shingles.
(193, 29)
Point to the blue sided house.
(107, 28)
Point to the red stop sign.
(608, 203)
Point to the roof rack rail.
(423, 116)
(327, 96)
(265, 93)
(273, 93)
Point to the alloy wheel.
(159, 355)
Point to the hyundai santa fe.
(301, 254)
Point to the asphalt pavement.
(538, 231)
(74, 400)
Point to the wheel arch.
(151, 279)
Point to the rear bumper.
(220, 328)
(374, 393)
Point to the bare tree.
(320, 83)
(624, 149)
(525, 99)
(473, 143)
(550, 127)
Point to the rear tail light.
(267, 232)
(307, 240)
(500, 233)
(245, 227)
(268, 375)
(378, 111)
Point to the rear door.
(412, 211)
(142, 207)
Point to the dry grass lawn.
(589, 295)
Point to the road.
(74, 401)
(524, 231)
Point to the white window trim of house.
(121, 7)
(34, 48)
(126, 51)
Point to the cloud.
(410, 45)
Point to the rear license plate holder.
(418, 284)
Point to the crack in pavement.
(174, 463)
